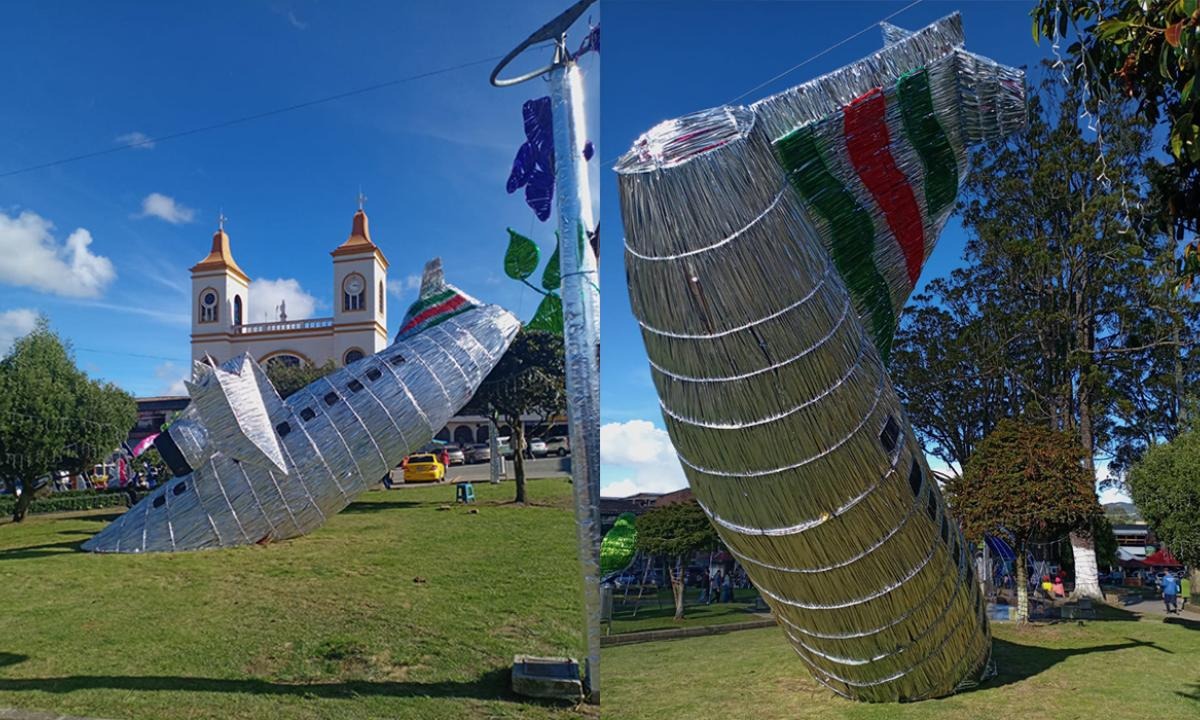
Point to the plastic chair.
(464, 492)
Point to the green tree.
(288, 379)
(529, 380)
(1147, 50)
(675, 532)
(52, 416)
(1165, 486)
(150, 458)
(952, 365)
(1027, 483)
(1068, 313)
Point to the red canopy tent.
(1162, 558)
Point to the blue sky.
(665, 59)
(78, 244)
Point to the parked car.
(536, 448)
(558, 445)
(456, 455)
(505, 448)
(423, 468)
(479, 453)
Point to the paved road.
(536, 468)
(1155, 606)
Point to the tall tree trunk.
(1179, 407)
(1087, 577)
(1083, 546)
(1022, 586)
(677, 587)
(518, 446)
(22, 507)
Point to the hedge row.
(67, 502)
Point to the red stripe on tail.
(867, 141)
(450, 304)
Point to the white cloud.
(637, 457)
(164, 207)
(266, 295)
(295, 21)
(139, 140)
(401, 288)
(15, 324)
(172, 376)
(33, 258)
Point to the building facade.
(358, 327)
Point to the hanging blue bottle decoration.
(533, 168)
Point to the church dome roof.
(359, 240)
(220, 257)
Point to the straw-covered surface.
(256, 468)
(769, 252)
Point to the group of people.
(1054, 587)
(717, 585)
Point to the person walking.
(714, 587)
(727, 590)
(1170, 591)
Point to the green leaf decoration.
(521, 259)
(551, 277)
(619, 545)
(548, 316)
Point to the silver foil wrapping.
(581, 336)
(769, 250)
(266, 469)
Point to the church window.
(353, 355)
(353, 293)
(237, 309)
(208, 306)
(381, 295)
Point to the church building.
(358, 327)
(221, 298)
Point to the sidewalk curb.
(18, 714)
(677, 633)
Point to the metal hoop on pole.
(551, 31)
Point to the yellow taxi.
(423, 468)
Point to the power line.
(802, 63)
(248, 118)
(129, 354)
(824, 52)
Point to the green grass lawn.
(395, 608)
(1116, 669)
(659, 614)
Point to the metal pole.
(581, 335)
(496, 461)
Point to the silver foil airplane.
(252, 468)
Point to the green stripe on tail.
(929, 138)
(853, 234)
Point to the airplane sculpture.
(253, 468)
(769, 251)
